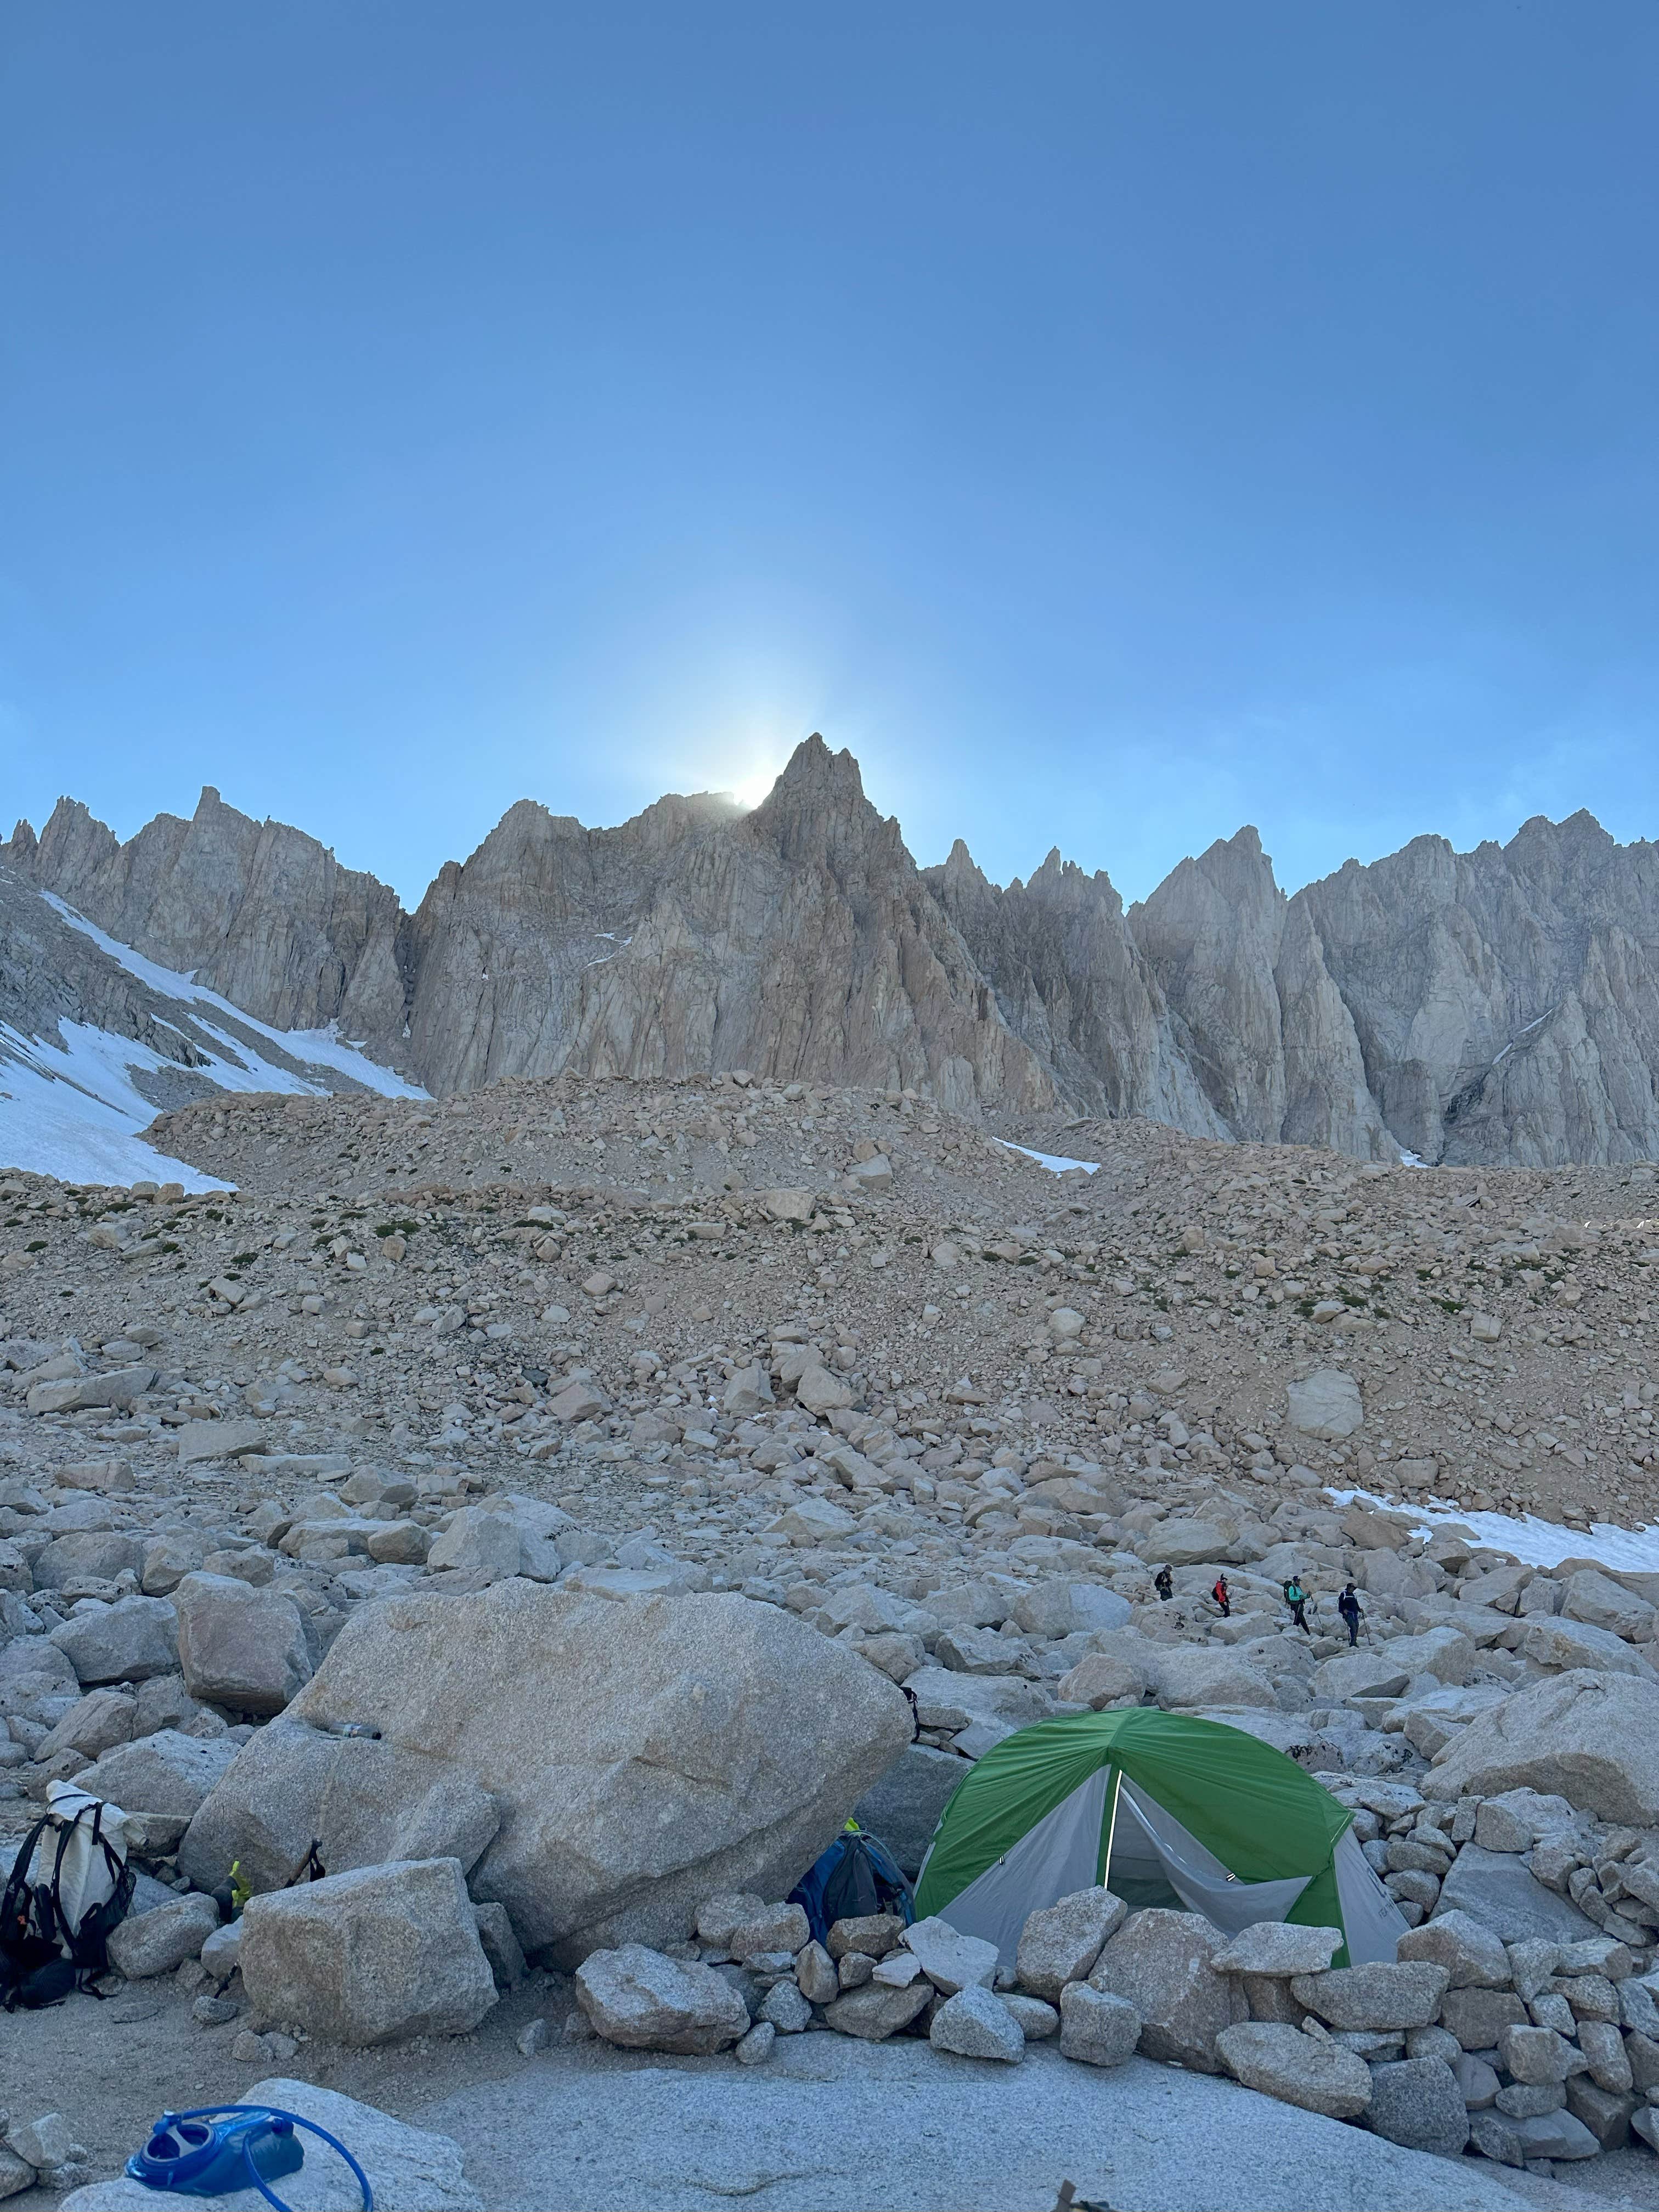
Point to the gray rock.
(814, 1975)
(16, 2174)
(1568, 1644)
(500, 1944)
(1606, 2112)
(643, 1754)
(1555, 2135)
(366, 1802)
(1037, 2020)
(903, 1806)
(1535, 2054)
(1476, 2079)
(119, 1386)
(1306, 2070)
(43, 2143)
(1326, 1404)
(1478, 2017)
(1418, 2102)
(88, 1553)
(873, 1933)
(222, 1954)
(974, 2024)
(1163, 1964)
(755, 2048)
(1515, 1821)
(478, 1539)
(774, 1928)
(1274, 1946)
(1472, 1955)
(1060, 1942)
(1055, 1608)
(126, 1642)
(376, 1955)
(102, 1719)
(166, 1772)
(1497, 2137)
(1590, 1737)
(950, 1962)
(1597, 1600)
(1097, 2027)
(788, 2011)
(717, 1918)
(875, 2012)
(1499, 1891)
(1379, 1998)
(155, 1943)
(408, 2168)
(646, 2002)
(238, 1646)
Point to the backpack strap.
(17, 1905)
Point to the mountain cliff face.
(262, 913)
(1496, 1005)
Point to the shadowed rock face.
(1499, 1006)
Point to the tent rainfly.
(1163, 1808)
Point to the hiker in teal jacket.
(1297, 1598)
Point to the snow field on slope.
(71, 1109)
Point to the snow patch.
(317, 1047)
(1535, 1542)
(1050, 1160)
(74, 1113)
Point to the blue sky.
(1115, 422)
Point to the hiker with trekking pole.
(1348, 1606)
(1297, 1598)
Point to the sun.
(750, 790)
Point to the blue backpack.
(856, 1876)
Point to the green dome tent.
(1164, 1809)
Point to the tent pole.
(1111, 1826)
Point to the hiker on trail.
(1163, 1583)
(1348, 1606)
(1297, 1598)
(1222, 1597)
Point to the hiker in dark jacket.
(1297, 1598)
(1163, 1583)
(1348, 1606)
(1223, 1597)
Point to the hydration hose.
(217, 2147)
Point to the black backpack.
(42, 1957)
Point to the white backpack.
(69, 1885)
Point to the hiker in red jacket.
(1220, 1595)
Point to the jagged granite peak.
(1270, 1040)
(1506, 1000)
(798, 940)
(1070, 984)
(260, 912)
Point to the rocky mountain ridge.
(1495, 1007)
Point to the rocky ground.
(861, 1363)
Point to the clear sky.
(1115, 422)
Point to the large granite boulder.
(238, 1646)
(166, 1774)
(375, 1955)
(126, 1642)
(1589, 1736)
(645, 1754)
